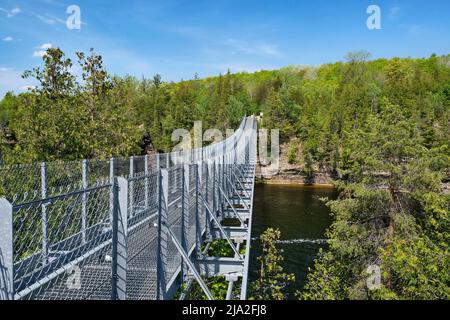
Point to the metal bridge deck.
(96, 234)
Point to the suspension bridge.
(129, 228)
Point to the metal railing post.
(214, 194)
(6, 251)
(235, 150)
(114, 218)
(146, 182)
(198, 231)
(184, 212)
(163, 237)
(247, 151)
(84, 200)
(230, 164)
(119, 262)
(111, 193)
(207, 215)
(44, 218)
(220, 173)
(185, 206)
(224, 171)
(131, 187)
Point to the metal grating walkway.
(133, 228)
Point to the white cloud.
(39, 53)
(46, 20)
(15, 11)
(42, 50)
(52, 20)
(45, 46)
(216, 45)
(8, 39)
(11, 13)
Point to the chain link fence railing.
(117, 228)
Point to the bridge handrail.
(214, 151)
(47, 216)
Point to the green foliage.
(9, 107)
(415, 270)
(62, 119)
(68, 120)
(292, 152)
(393, 156)
(380, 125)
(391, 211)
(272, 281)
(326, 281)
(218, 286)
(220, 248)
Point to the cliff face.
(292, 173)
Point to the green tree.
(50, 126)
(272, 281)
(382, 208)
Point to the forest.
(379, 126)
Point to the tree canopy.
(380, 126)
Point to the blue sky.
(178, 38)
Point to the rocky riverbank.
(292, 173)
(292, 177)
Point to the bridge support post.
(146, 181)
(163, 237)
(214, 194)
(219, 197)
(131, 187)
(207, 199)
(112, 203)
(184, 213)
(44, 213)
(198, 208)
(84, 200)
(119, 246)
(222, 177)
(6, 251)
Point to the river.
(302, 218)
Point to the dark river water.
(302, 218)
